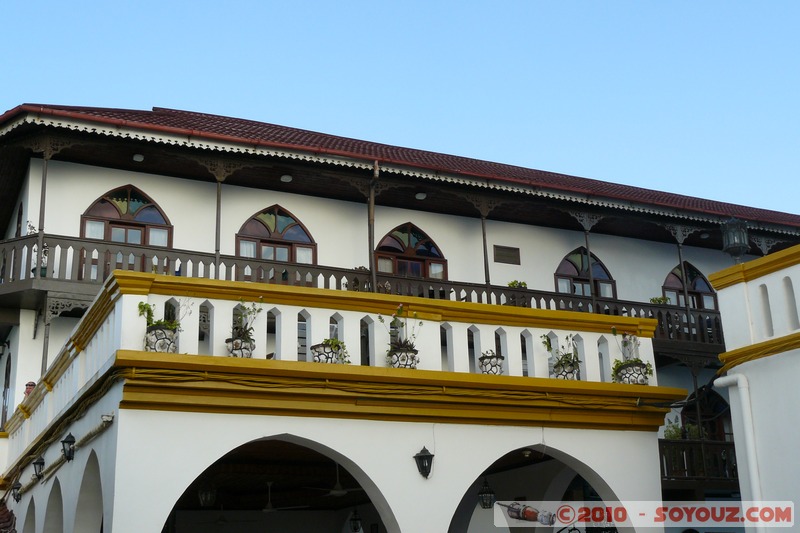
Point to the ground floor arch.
(527, 476)
(373, 459)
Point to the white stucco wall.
(340, 229)
(378, 454)
(773, 396)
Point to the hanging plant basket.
(240, 348)
(161, 339)
(633, 373)
(403, 358)
(491, 364)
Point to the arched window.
(572, 276)
(701, 295)
(407, 251)
(127, 215)
(274, 234)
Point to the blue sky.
(692, 97)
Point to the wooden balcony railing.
(89, 262)
(695, 460)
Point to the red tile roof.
(221, 128)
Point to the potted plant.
(162, 334)
(330, 351)
(567, 363)
(42, 258)
(630, 369)
(402, 352)
(660, 300)
(491, 363)
(674, 431)
(241, 342)
(516, 284)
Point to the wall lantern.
(38, 466)
(486, 496)
(68, 447)
(734, 238)
(15, 491)
(355, 522)
(424, 461)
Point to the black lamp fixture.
(734, 238)
(38, 466)
(68, 447)
(424, 460)
(486, 496)
(355, 521)
(15, 491)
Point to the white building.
(759, 301)
(203, 216)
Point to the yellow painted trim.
(756, 268)
(3, 434)
(753, 352)
(126, 282)
(188, 383)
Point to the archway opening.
(524, 477)
(272, 485)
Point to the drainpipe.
(743, 387)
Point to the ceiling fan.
(337, 489)
(269, 508)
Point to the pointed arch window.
(701, 295)
(407, 251)
(572, 275)
(274, 234)
(127, 215)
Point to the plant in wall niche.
(630, 369)
(148, 312)
(331, 351)
(241, 342)
(161, 334)
(491, 363)
(567, 363)
(402, 350)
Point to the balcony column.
(371, 227)
(221, 169)
(48, 147)
(484, 206)
(681, 232)
(217, 229)
(588, 220)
